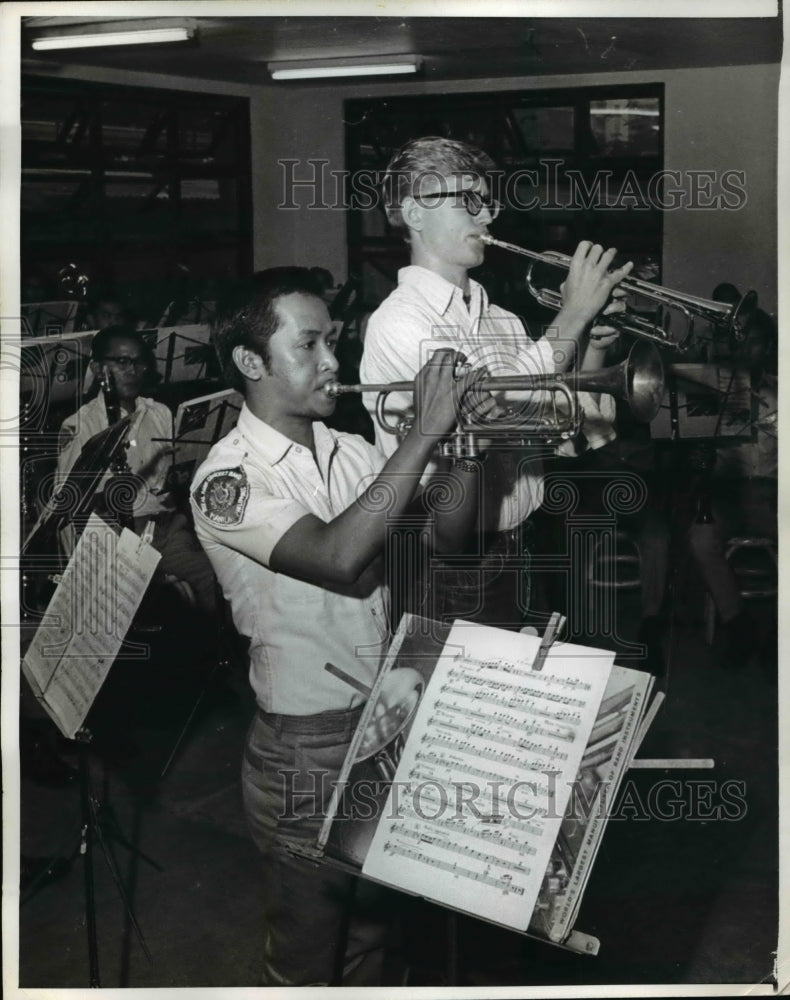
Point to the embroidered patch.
(223, 496)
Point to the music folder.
(481, 773)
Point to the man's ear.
(249, 362)
(97, 368)
(412, 211)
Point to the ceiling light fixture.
(326, 68)
(129, 36)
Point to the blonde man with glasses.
(437, 196)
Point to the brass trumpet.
(639, 381)
(731, 318)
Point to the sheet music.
(486, 773)
(604, 762)
(86, 621)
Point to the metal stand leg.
(86, 850)
(91, 831)
(342, 937)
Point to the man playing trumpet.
(438, 199)
(294, 518)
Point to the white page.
(485, 776)
(86, 621)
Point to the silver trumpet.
(639, 381)
(731, 318)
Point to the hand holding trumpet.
(602, 335)
(442, 397)
(589, 285)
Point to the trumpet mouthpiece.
(333, 389)
(486, 238)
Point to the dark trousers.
(287, 773)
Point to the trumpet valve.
(461, 444)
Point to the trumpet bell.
(638, 381)
(644, 381)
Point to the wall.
(717, 119)
(721, 118)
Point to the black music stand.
(98, 825)
(100, 829)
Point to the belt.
(338, 721)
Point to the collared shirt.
(426, 312)
(150, 447)
(253, 487)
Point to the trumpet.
(731, 318)
(638, 381)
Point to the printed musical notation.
(451, 845)
(485, 776)
(502, 884)
(86, 621)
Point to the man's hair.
(419, 159)
(100, 345)
(246, 314)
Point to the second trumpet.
(638, 381)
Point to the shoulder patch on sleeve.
(222, 496)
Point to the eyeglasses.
(124, 362)
(473, 201)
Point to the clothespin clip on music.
(554, 627)
(148, 534)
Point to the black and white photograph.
(391, 593)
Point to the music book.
(482, 771)
(87, 620)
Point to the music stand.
(49, 319)
(199, 424)
(92, 831)
(68, 660)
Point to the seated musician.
(437, 197)
(294, 518)
(121, 361)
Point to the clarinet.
(121, 490)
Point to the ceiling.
(236, 49)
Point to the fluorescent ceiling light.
(319, 70)
(132, 36)
(639, 112)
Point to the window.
(577, 164)
(137, 187)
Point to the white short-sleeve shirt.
(253, 487)
(425, 312)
